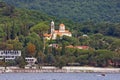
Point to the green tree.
(20, 62)
(40, 28)
(50, 59)
(102, 57)
(31, 49)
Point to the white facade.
(30, 60)
(31, 63)
(9, 54)
(52, 27)
(60, 32)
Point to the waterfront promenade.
(92, 69)
(64, 69)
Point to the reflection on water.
(58, 76)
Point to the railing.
(38, 70)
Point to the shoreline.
(66, 69)
(93, 69)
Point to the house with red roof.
(82, 47)
(78, 47)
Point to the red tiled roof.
(82, 47)
(46, 35)
(66, 31)
(70, 46)
(62, 25)
(78, 47)
(56, 31)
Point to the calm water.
(58, 76)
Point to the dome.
(62, 28)
(62, 25)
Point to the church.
(54, 33)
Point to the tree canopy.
(22, 29)
(77, 10)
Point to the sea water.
(59, 76)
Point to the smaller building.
(30, 60)
(85, 35)
(54, 45)
(78, 47)
(31, 63)
(82, 47)
(9, 54)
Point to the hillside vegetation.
(22, 29)
(76, 10)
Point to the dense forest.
(77, 10)
(18, 31)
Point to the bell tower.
(52, 27)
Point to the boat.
(102, 74)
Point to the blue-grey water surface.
(58, 76)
